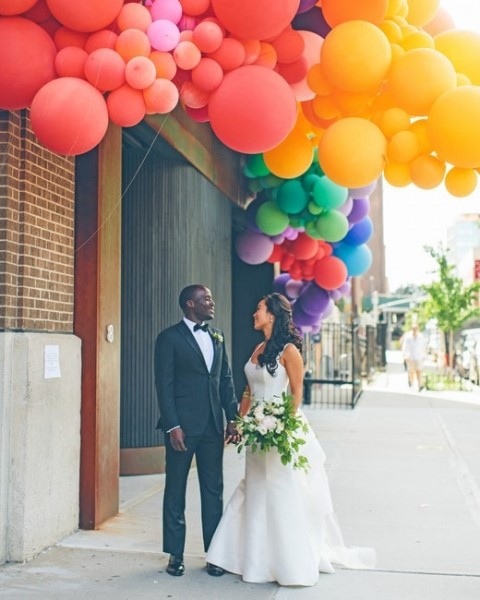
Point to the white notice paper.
(52, 362)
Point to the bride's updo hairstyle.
(283, 332)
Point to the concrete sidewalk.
(404, 471)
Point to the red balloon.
(69, 116)
(257, 19)
(70, 62)
(126, 106)
(330, 273)
(252, 110)
(87, 15)
(7, 7)
(28, 61)
(105, 69)
(276, 255)
(305, 247)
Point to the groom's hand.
(231, 434)
(177, 439)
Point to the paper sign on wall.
(51, 362)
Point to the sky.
(414, 217)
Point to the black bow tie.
(203, 327)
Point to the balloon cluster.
(315, 229)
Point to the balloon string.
(127, 187)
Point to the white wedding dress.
(279, 524)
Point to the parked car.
(468, 356)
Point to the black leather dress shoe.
(175, 565)
(214, 570)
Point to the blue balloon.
(357, 259)
(360, 233)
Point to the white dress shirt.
(204, 341)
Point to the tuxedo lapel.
(190, 338)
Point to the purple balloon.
(314, 300)
(253, 248)
(335, 295)
(293, 288)
(346, 207)
(360, 192)
(301, 318)
(359, 211)
(280, 282)
(305, 5)
(312, 20)
(345, 288)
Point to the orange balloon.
(133, 15)
(403, 147)
(267, 57)
(186, 55)
(355, 56)
(140, 72)
(339, 11)
(132, 42)
(164, 64)
(462, 48)
(292, 157)
(397, 174)
(427, 171)
(252, 51)
(161, 97)
(418, 78)
(461, 182)
(394, 120)
(126, 106)
(352, 152)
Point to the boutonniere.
(218, 337)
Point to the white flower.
(280, 427)
(269, 423)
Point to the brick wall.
(36, 231)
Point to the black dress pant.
(208, 451)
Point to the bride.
(279, 524)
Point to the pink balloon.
(163, 35)
(311, 54)
(166, 9)
(252, 110)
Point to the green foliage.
(449, 301)
(273, 424)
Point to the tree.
(449, 301)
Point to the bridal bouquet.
(273, 424)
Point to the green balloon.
(292, 197)
(311, 230)
(270, 181)
(314, 209)
(328, 195)
(332, 226)
(256, 165)
(271, 219)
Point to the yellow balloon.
(461, 182)
(394, 120)
(403, 147)
(420, 12)
(417, 39)
(454, 126)
(462, 48)
(292, 157)
(397, 174)
(392, 31)
(417, 79)
(427, 171)
(355, 56)
(352, 152)
(317, 81)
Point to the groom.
(194, 389)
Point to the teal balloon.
(357, 259)
(270, 181)
(329, 195)
(256, 165)
(255, 186)
(270, 219)
(332, 225)
(309, 180)
(292, 196)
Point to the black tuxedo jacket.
(187, 392)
